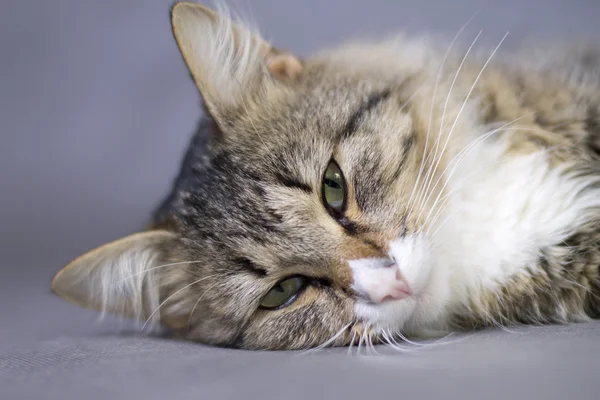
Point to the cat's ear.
(119, 277)
(229, 63)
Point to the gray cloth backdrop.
(96, 109)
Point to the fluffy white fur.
(503, 210)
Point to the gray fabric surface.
(533, 363)
(96, 109)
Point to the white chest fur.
(503, 210)
(506, 208)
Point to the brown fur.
(248, 209)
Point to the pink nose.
(395, 288)
(385, 283)
(379, 280)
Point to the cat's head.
(302, 220)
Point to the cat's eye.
(284, 292)
(334, 188)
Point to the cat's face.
(299, 187)
(300, 220)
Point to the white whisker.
(372, 346)
(393, 343)
(460, 156)
(352, 340)
(171, 296)
(153, 268)
(463, 107)
(425, 185)
(329, 341)
(405, 339)
(360, 342)
(437, 80)
(198, 302)
(252, 122)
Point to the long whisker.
(465, 151)
(440, 225)
(443, 202)
(372, 346)
(171, 296)
(430, 172)
(437, 342)
(424, 187)
(437, 80)
(198, 302)
(443, 341)
(353, 338)
(367, 345)
(329, 341)
(461, 156)
(252, 122)
(153, 268)
(360, 342)
(463, 107)
(412, 96)
(393, 343)
(404, 338)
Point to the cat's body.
(467, 195)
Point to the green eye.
(334, 188)
(283, 293)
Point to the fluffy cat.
(373, 190)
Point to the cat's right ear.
(231, 65)
(120, 277)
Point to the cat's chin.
(390, 316)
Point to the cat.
(375, 190)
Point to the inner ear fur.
(120, 277)
(228, 62)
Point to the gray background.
(96, 109)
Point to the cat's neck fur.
(516, 196)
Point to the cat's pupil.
(332, 184)
(278, 288)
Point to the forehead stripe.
(251, 266)
(407, 145)
(292, 183)
(367, 105)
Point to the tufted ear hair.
(227, 61)
(120, 277)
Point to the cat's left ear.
(121, 277)
(229, 63)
